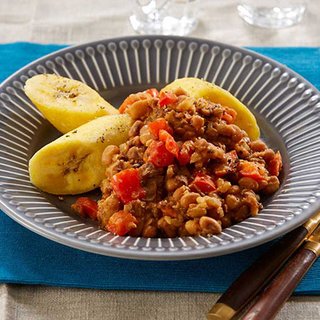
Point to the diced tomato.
(251, 170)
(121, 223)
(275, 164)
(159, 124)
(158, 154)
(185, 153)
(169, 142)
(167, 98)
(229, 115)
(86, 207)
(184, 157)
(153, 92)
(127, 185)
(204, 183)
(128, 101)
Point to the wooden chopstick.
(258, 275)
(281, 287)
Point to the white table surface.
(76, 21)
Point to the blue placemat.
(28, 258)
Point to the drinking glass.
(169, 17)
(272, 13)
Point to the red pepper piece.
(86, 207)
(128, 101)
(153, 92)
(185, 154)
(121, 223)
(127, 185)
(203, 182)
(169, 142)
(184, 157)
(158, 154)
(251, 170)
(159, 124)
(167, 98)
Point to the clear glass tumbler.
(169, 17)
(272, 13)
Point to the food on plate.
(183, 162)
(202, 89)
(187, 168)
(66, 103)
(72, 163)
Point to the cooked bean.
(272, 186)
(248, 183)
(223, 186)
(197, 122)
(134, 130)
(193, 227)
(268, 155)
(242, 148)
(197, 210)
(238, 133)
(258, 145)
(226, 130)
(139, 108)
(232, 201)
(135, 141)
(145, 134)
(188, 198)
(209, 226)
(210, 201)
(172, 221)
(179, 193)
(108, 154)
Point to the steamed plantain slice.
(202, 89)
(72, 163)
(66, 103)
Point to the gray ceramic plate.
(286, 106)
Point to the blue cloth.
(26, 257)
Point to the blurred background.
(77, 21)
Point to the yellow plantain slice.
(203, 89)
(72, 163)
(66, 103)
